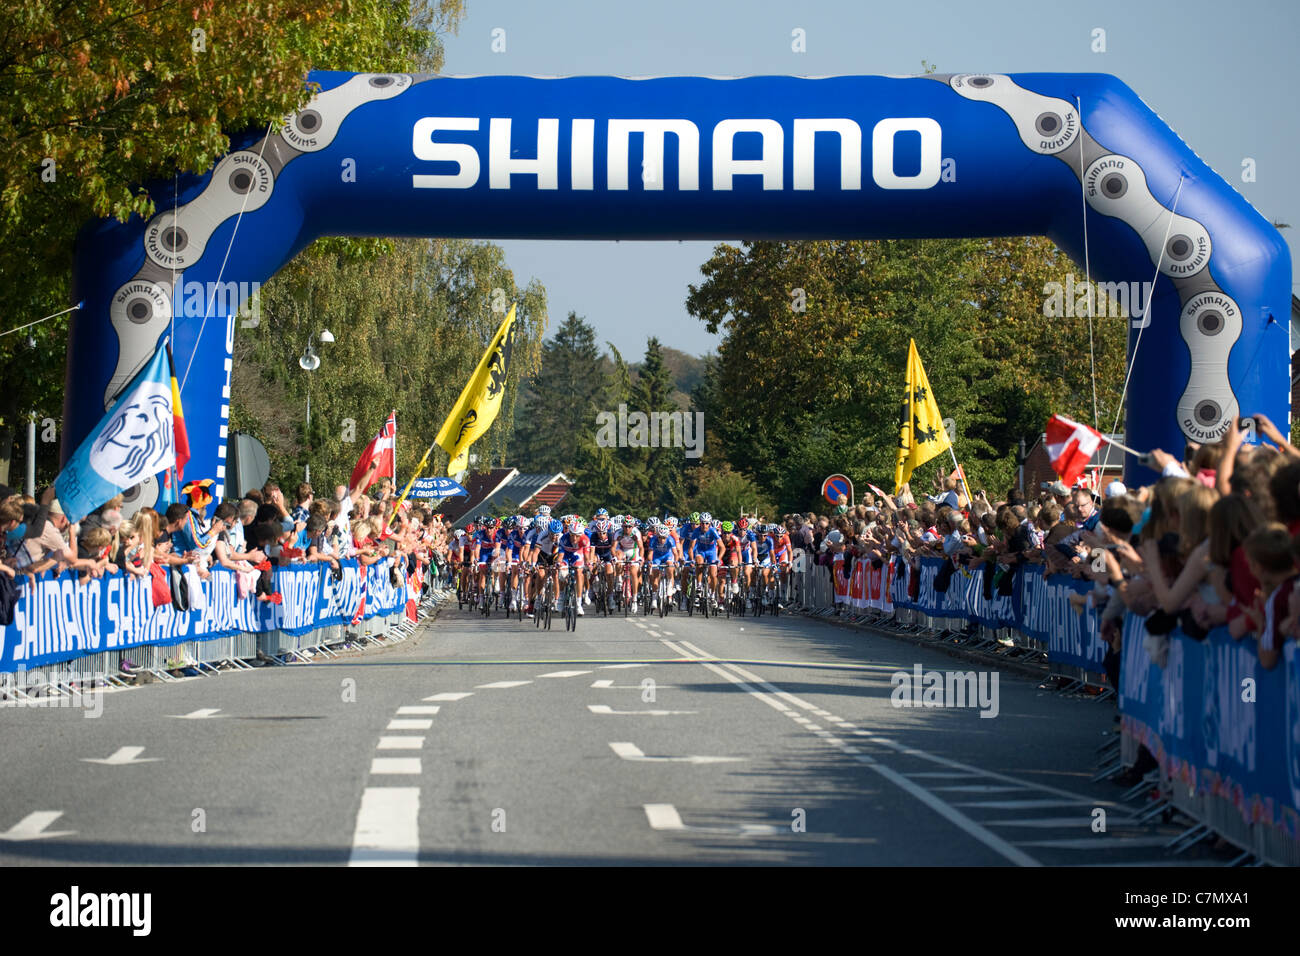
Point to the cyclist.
(601, 536)
(705, 549)
(485, 549)
(514, 544)
(730, 546)
(573, 546)
(628, 546)
(781, 555)
(661, 548)
(539, 552)
(748, 550)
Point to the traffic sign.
(837, 485)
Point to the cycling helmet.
(743, 524)
(705, 517)
(556, 527)
(670, 521)
(492, 523)
(602, 513)
(629, 521)
(728, 527)
(695, 517)
(544, 511)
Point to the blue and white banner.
(1072, 636)
(436, 487)
(1215, 719)
(60, 618)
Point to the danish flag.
(380, 449)
(1071, 446)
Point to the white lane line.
(400, 743)
(564, 674)
(204, 713)
(411, 724)
(944, 809)
(668, 633)
(630, 751)
(943, 775)
(406, 765)
(412, 711)
(603, 684)
(1028, 804)
(664, 816)
(619, 667)
(122, 757)
(1055, 823)
(32, 827)
(606, 710)
(387, 831)
(610, 685)
(502, 684)
(451, 696)
(913, 751)
(1099, 842)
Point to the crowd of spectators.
(250, 536)
(1214, 541)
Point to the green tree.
(800, 392)
(657, 481)
(559, 419)
(98, 97)
(409, 327)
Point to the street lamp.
(309, 361)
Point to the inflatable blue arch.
(703, 158)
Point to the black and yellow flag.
(921, 434)
(480, 400)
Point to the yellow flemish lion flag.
(921, 434)
(480, 400)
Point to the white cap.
(1115, 489)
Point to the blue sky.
(1221, 74)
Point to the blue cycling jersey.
(707, 539)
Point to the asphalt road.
(629, 741)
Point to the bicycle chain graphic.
(176, 239)
(1116, 186)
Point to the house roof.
(518, 489)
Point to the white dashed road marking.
(604, 709)
(400, 743)
(406, 765)
(502, 684)
(629, 751)
(387, 832)
(409, 724)
(413, 710)
(451, 696)
(564, 674)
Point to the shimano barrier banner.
(1072, 636)
(60, 619)
(1216, 720)
(764, 157)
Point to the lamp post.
(309, 361)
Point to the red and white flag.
(381, 449)
(1071, 446)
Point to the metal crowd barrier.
(1213, 815)
(211, 657)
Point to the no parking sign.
(837, 485)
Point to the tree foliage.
(409, 328)
(798, 394)
(98, 97)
